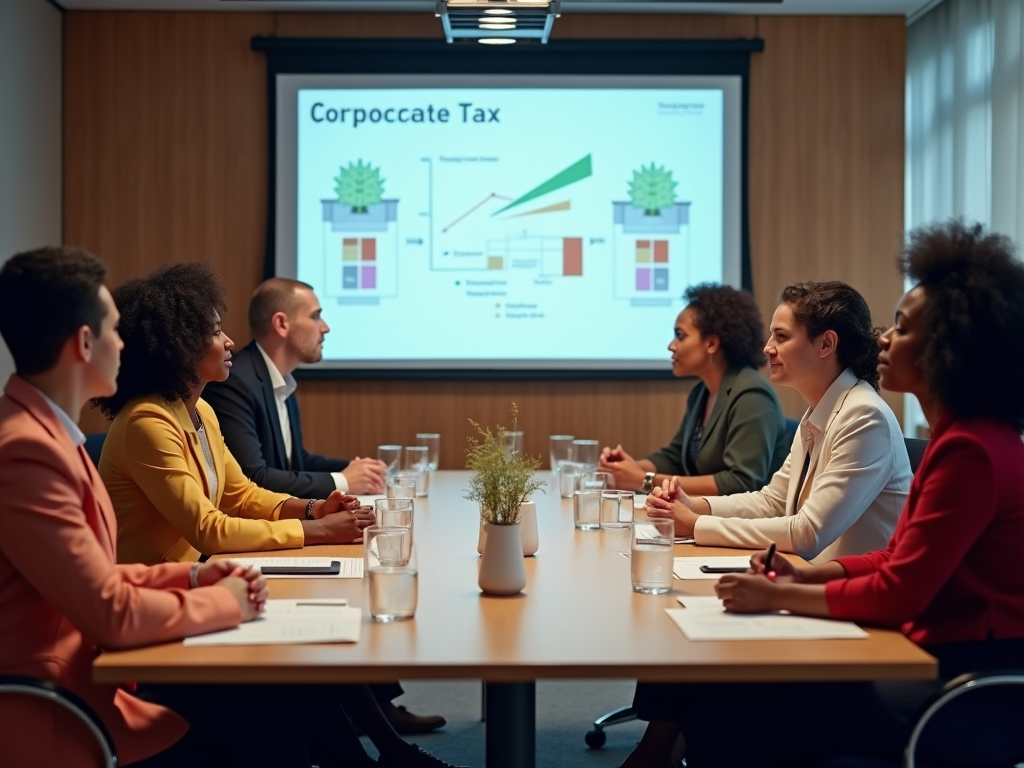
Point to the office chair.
(94, 446)
(44, 689)
(596, 738)
(973, 722)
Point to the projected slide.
(552, 225)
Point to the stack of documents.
(704, 618)
(689, 567)
(351, 567)
(288, 622)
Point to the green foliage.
(500, 482)
(652, 189)
(359, 186)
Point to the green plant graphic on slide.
(359, 186)
(652, 189)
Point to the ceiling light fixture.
(496, 40)
(522, 20)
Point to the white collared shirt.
(77, 435)
(284, 387)
(859, 478)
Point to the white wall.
(30, 131)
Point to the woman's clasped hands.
(669, 500)
(247, 585)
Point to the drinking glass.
(432, 441)
(586, 510)
(585, 452)
(513, 443)
(561, 451)
(568, 478)
(416, 461)
(595, 480)
(402, 485)
(390, 455)
(386, 545)
(393, 592)
(393, 513)
(616, 509)
(651, 556)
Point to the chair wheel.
(595, 739)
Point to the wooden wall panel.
(165, 159)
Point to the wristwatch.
(648, 484)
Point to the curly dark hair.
(731, 315)
(834, 306)
(973, 318)
(46, 295)
(166, 325)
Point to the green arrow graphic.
(576, 172)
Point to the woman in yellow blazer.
(177, 490)
(179, 493)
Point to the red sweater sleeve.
(955, 504)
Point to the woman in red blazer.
(950, 578)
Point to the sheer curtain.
(965, 121)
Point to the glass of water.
(568, 478)
(393, 592)
(616, 509)
(432, 441)
(595, 480)
(586, 510)
(586, 452)
(402, 484)
(416, 461)
(390, 455)
(393, 512)
(513, 443)
(561, 451)
(651, 556)
(386, 545)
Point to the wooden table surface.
(577, 618)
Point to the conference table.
(577, 618)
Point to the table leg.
(511, 739)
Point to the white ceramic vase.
(501, 568)
(528, 528)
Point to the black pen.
(768, 572)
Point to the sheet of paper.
(689, 567)
(367, 501)
(351, 567)
(648, 532)
(303, 605)
(701, 602)
(290, 624)
(707, 622)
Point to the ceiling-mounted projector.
(499, 22)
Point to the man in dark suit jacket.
(257, 407)
(259, 417)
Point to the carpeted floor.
(565, 712)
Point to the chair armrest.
(44, 689)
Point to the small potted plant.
(501, 484)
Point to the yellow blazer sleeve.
(155, 459)
(240, 496)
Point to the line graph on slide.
(483, 231)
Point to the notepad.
(689, 567)
(351, 567)
(704, 618)
(288, 622)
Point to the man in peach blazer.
(62, 597)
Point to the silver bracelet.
(309, 509)
(193, 575)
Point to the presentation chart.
(493, 220)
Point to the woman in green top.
(732, 438)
